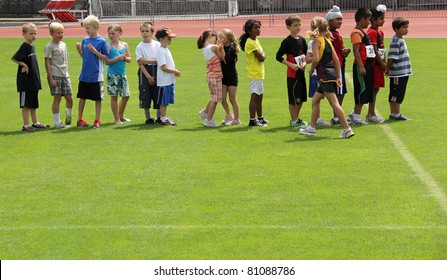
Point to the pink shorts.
(215, 86)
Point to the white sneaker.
(323, 123)
(234, 122)
(209, 123)
(59, 125)
(356, 119)
(203, 115)
(347, 133)
(374, 118)
(228, 118)
(308, 130)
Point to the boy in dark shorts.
(398, 68)
(146, 54)
(364, 56)
(28, 78)
(295, 48)
(91, 79)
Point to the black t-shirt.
(30, 81)
(292, 47)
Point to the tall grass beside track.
(188, 192)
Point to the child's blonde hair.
(319, 27)
(27, 26)
(148, 24)
(116, 27)
(227, 33)
(54, 26)
(91, 20)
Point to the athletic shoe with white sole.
(209, 123)
(374, 118)
(347, 133)
(308, 130)
(322, 123)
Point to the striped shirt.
(401, 65)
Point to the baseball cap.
(164, 32)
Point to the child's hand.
(53, 83)
(177, 73)
(150, 80)
(25, 69)
(78, 46)
(339, 83)
(345, 52)
(91, 48)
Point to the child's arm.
(358, 59)
(259, 55)
(218, 50)
(167, 69)
(127, 57)
(25, 68)
(280, 58)
(142, 61)
(106, 60)
(53, 83)
(336, 63)
(388, 65)
(315, 58)
(379, 58)
(148, 76)
(79, 48)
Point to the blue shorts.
(166, 95)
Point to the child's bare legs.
(315, 109)
(97, 109)
(294, 110)
(340, 98)
(56, 102)
(211, 107)
(81, 106)
(68, 106)
(25, 115)
(122, 107)
(224, 100)
(358, 109)
(114, 107)
(232, 94)
(372, 104)
(259, 105)
(163, 110)
(395, 108)
(333, 101)
(252, 105)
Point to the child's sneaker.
(82, 123)
(40, 126)
(322, 123)
(96, 124)
(59, 125)
(308, 130)
(209, 123)
(202, 114)
(255, 123)
(347, 133)
(150, 121)
(124, 119)
(374, 118)
(234, 122)
(29, 129)
(228, 118)
(298, 123)
(67, 120)
(356, 119)
(168, 122)
(263, 121)
(399, 117)
(335, 121)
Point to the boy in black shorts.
(295, 49)
(28, 78)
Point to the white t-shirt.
(59, 58)
(164, 57)
(147, 50)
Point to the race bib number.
(382, 53)
(370, 51)
(300, 59)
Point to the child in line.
(56, 65)
(28, 78)
(146, 55)
(398, 68)
(295, 48)
(117, 84)
(230, 75)
(166, 73)
(91, 79)
(335, 20)
(213, 55)
(362, 69)
(325, 61)
(255, 69)
(379, 65)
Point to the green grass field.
(189, 192)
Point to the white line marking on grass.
(432, 186)
(212, 227)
